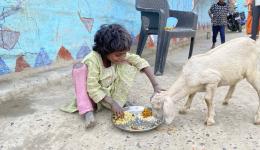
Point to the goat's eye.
(157, 106)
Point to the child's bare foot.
(89, 119)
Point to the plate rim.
(125, 109)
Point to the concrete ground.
(32, 120)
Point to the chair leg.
(191, 47)
(141, 42)
(158, 53)
(161, 55)
(164, 54)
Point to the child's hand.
(157, 89)
(117, 110)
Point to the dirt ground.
(35, 122)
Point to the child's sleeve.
(93, 87)
(137, 61)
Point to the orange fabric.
(150, 43)
(249, 23)
(249, 2)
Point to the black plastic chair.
(154, 15)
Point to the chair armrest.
(185, 18)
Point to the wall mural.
(36, 33)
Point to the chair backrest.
(153, 5)
(150, 11)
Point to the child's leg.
(79, 74)
(126, 75)
(84, 103)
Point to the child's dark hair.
(111, 38)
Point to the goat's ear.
(168, 110)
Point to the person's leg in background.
(214, 36)
(222, 34)
(255, 23)
(249, 18)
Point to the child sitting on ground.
(108, 73)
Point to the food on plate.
(147, 113)
(128, 117)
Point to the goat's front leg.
(188, 104)
(229, 94)
(210, 91)
(254, 80)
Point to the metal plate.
(138, 124)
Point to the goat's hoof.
(183, 111)
(257, 120)
(257, 123)
(210, 122)
(225, 103)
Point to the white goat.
(225, 65)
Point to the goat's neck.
(178, 90)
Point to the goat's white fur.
(225, 65)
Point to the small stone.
(207, 135)
(49, 125)
(12, 123)
(224, 149)
(110, 148)
(138, 145)
(189, 141)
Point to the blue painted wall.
(241, 6)
(49, 24)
